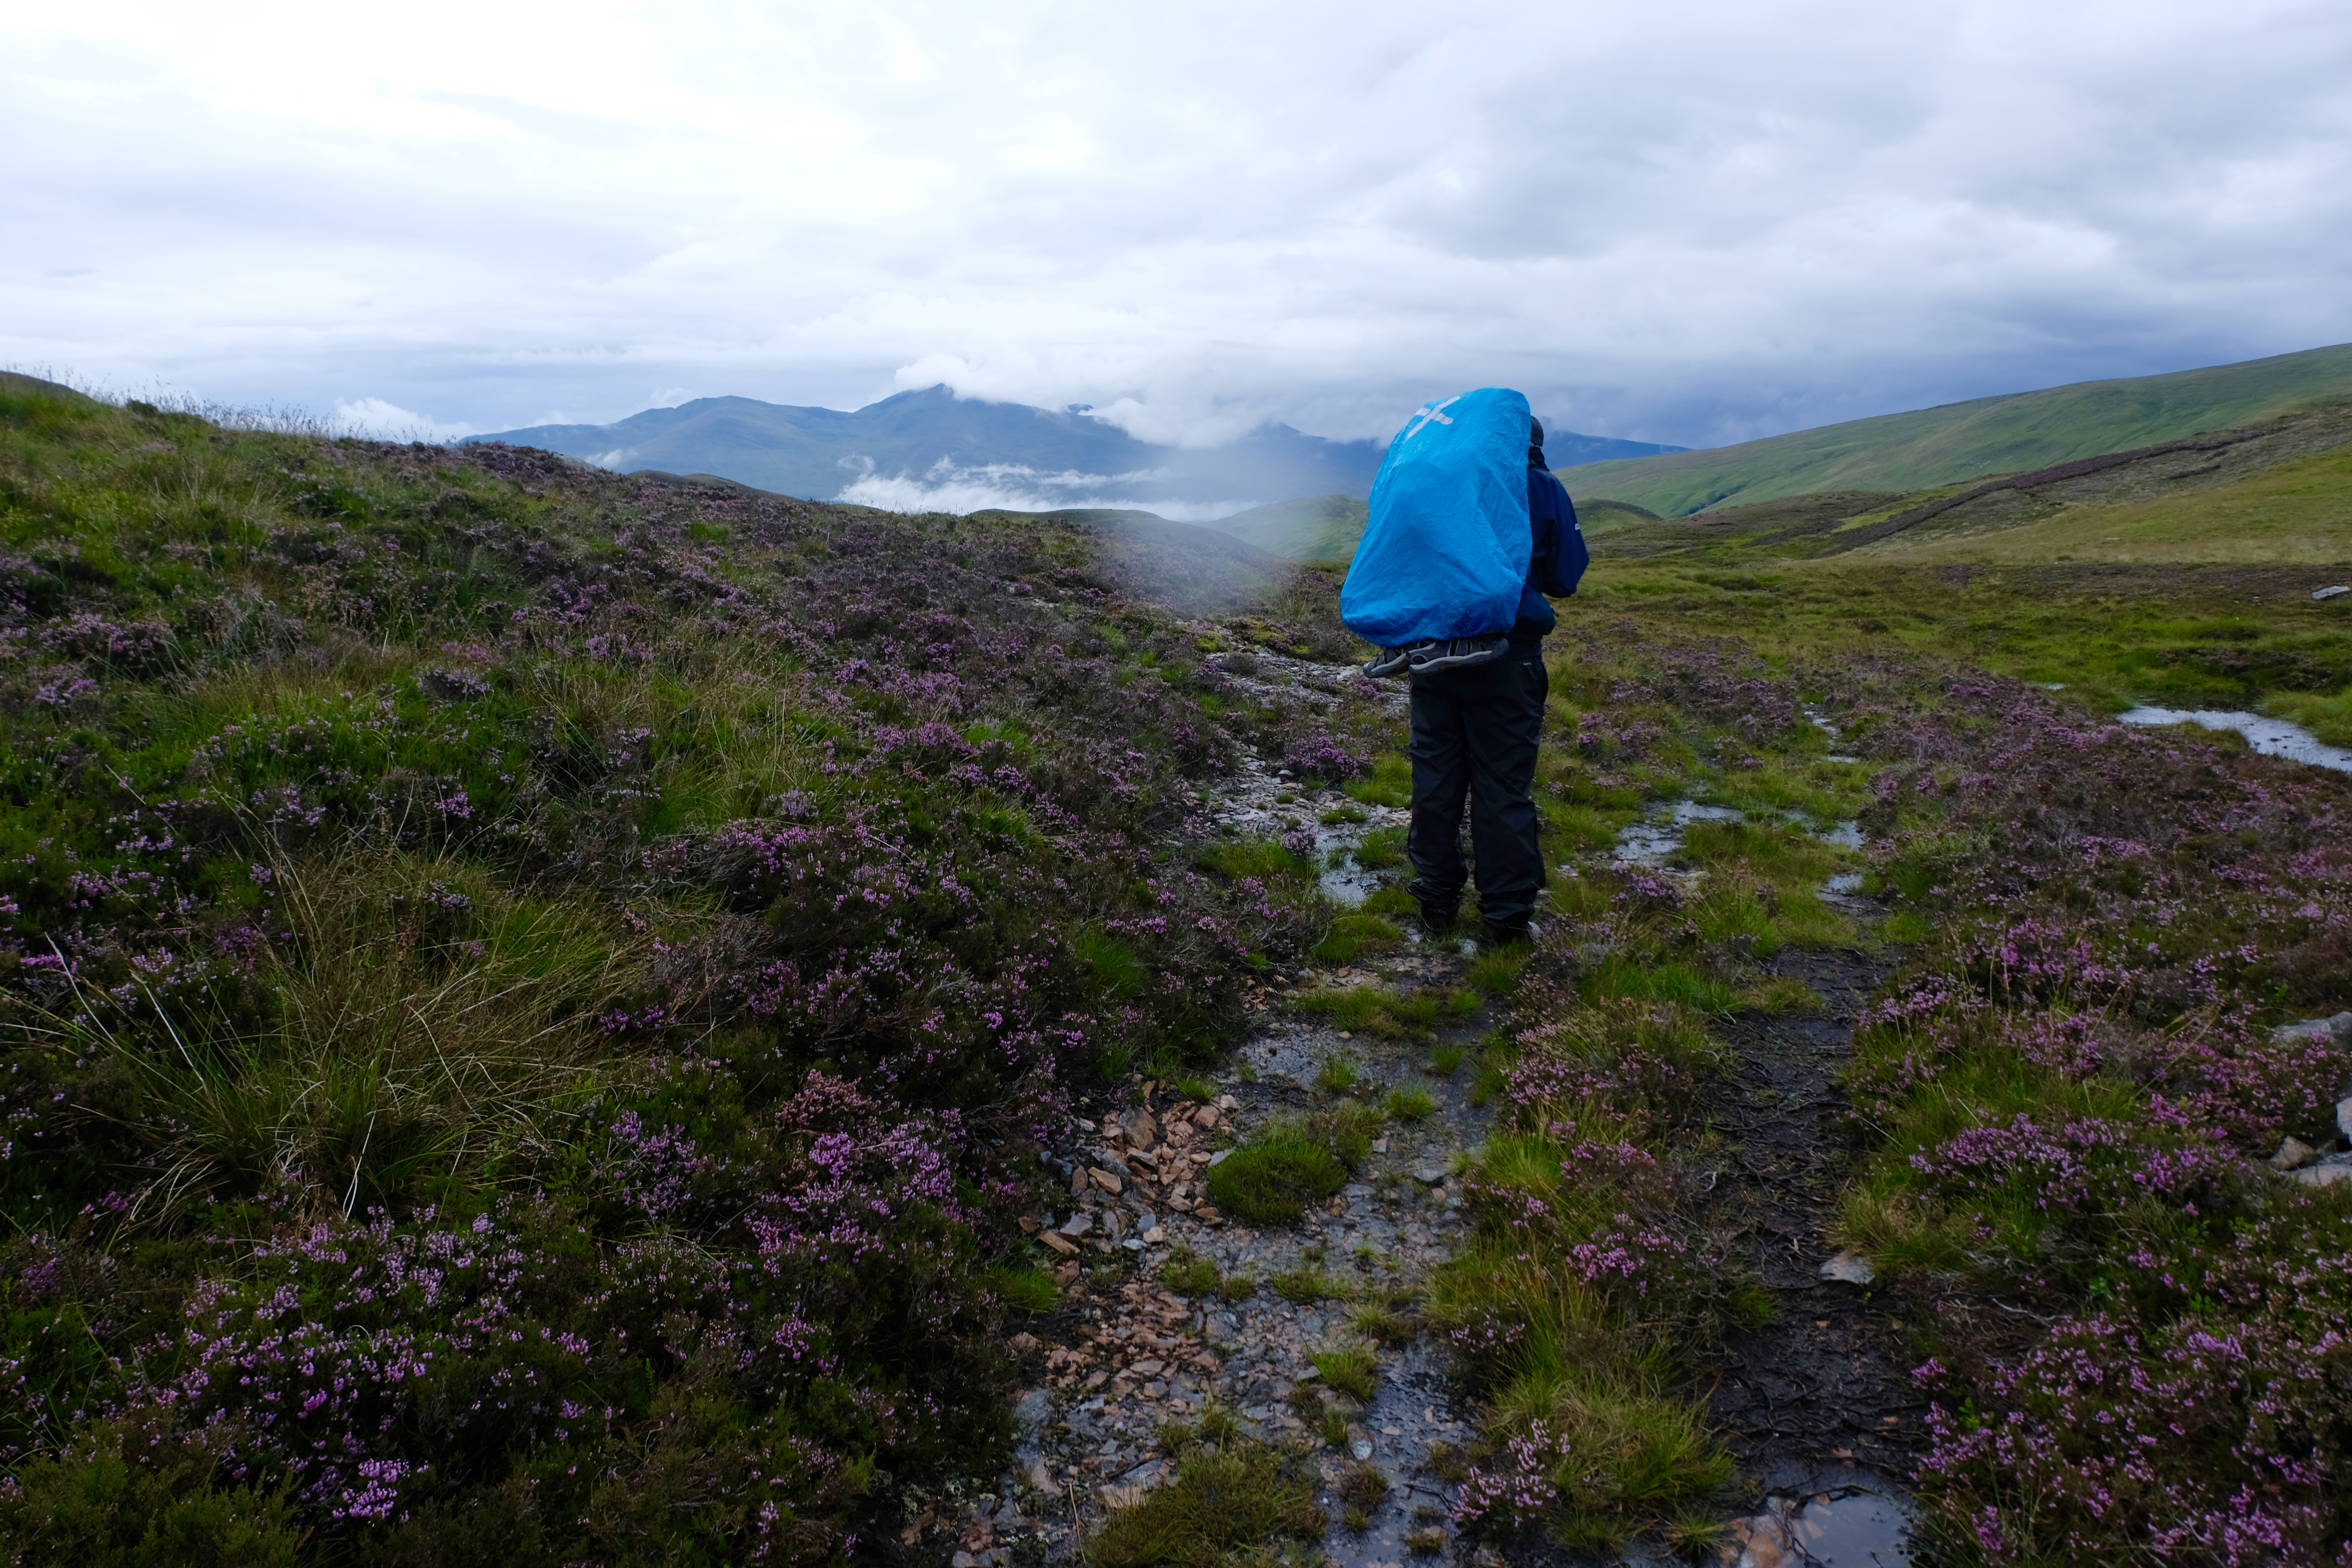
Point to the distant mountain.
(2009, 434)
(932, 447)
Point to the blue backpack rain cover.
(1445, 553)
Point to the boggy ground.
(1821, 1386)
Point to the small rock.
(1105, 1180)
(1206, 1117)
(1849, 1267)
(2322, 1175)
(1078, 1224)
(1041, 1475)
(1220, 1157)
(1022, 1345)
(1155, 1236)
(2344, 1116)
(1430, 1175)
(1227, 1102)
(2330, 593)
(1133, 1244)
(1362, 1447)
(963, 1560)
(2292, 1152)
(1060, 1243)
(1034, 1406)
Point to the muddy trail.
(1814, 1403)
(1173, 1310)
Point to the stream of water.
(2272, 737)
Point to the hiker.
(1463, 541)
(1474, 731)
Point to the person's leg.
(1502, 730)
(1441, 778)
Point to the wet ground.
(1814, 1405)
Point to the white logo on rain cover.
(1433, 411)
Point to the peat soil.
(1816, 1404)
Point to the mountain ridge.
(931, 442)
(2007, 433)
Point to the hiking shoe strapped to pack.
(1455, 654)
(1392, 661)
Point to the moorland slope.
(2007, 434)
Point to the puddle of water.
(1651, 841)
(1845, 835)
(1845, 882)
(1849, 1527)
(2272, 737)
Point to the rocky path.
(1207, 1311)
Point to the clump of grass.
(1410, 1104)
(1389, 1014)
(1780, 995)
(1496, 971)
(1271, 1179)
(1361, 1489)
(1443, 1060)
(1382, 1322)
(1025, 1287)
(1187, 1273)
(1352, 933)
(1246, 1497)
(1350, 1370)
(1389, 783)
(1305, 1286)
(1347, 1130)
(1336, 1076)
(1261, 857)
(1344, 815)
(426, 1021)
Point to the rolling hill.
(934, 437)
(2276, 492)
(2009, 434)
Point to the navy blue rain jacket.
(1559, 559)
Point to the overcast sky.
(1687, 222)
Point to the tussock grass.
(1271, 1179)
(1349, 1370)
(422, 1024)
(1237, 1500)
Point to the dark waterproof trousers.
(1475, 733)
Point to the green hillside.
(1930, 446)
(1314, 528)
(1325, 528)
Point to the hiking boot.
(1455, 654)
(1438, 919)
(1504, 933)
(1392, 660)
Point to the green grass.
(1410, 1104)
(1026, 1288)
(1337, 1075)
(1389, 783)
(1242, 1500)
(1388, 1014)
(1271, 1179)
(1444, 1059)
(1305, 1286)
(1985, 436)
(1261, 857)
(1350, 1370)
(1353, 933)
(1187, 1273)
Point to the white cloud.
(950, 488)
(1686, 221)
(389, 421)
